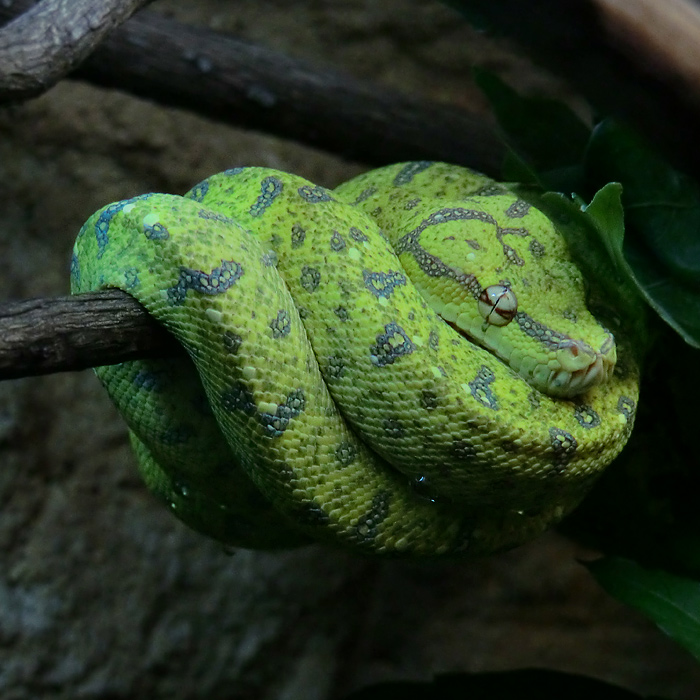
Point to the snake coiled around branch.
(404, 365)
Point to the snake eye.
(498, 304)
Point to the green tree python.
(404, 365)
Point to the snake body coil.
(404, 365)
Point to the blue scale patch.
(131, 278)
(315, 194)
(156, 232)
(481, 389)
(218, 281)
(239, 398)
(391, 345)
(105, 219)
(410, 170)
(148, 381)
(382, 284)
(198, 192)
(75, 271)
(270, 188)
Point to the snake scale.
(404, 365)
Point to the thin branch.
(43, 336)
(41, 46)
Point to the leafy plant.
(632, 222)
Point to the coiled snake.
(404, 365)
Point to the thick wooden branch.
(256, 88)
(43, 336)
(253, 87)
(653, 86)
(47, 41)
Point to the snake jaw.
(580, 368)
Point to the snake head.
(498, 271)
(547, 355)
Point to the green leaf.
(545, 134)
(662, 210)
(671, 601)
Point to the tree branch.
(41, 46)
(63, 334)
(252, 87)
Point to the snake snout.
(581, 367)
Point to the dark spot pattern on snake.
(586, 416)
(626, 407)
(410, 170)
(148, 380)
(270, 188)
(218, 281)
(337, 242)
(518, 209)
(428, 400)
(365, 194)
(311, 514)
(358, 235)
(564, 446)
(276, 423)
(298, 236)
(491, 190)
(105, 219)
(238, 397)
(433, 340)
(463, 450)
(342, 313)
(367, 525)
(177, 435)
(315, 194)
(346, 453)
(551, 339)
(232, 342)
(281, 325)
(209, 215)
(480, 388)
(393, 428)
(199, 191)
(537, 250)
(382, 284)
(391, 345)
(156, 232)
(335, 367)
(131, 278)
(310, 278)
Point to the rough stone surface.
(102, 593)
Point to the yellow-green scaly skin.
(329, 401)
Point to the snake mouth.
(564, 384)
(579, 369)
(572, 368)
